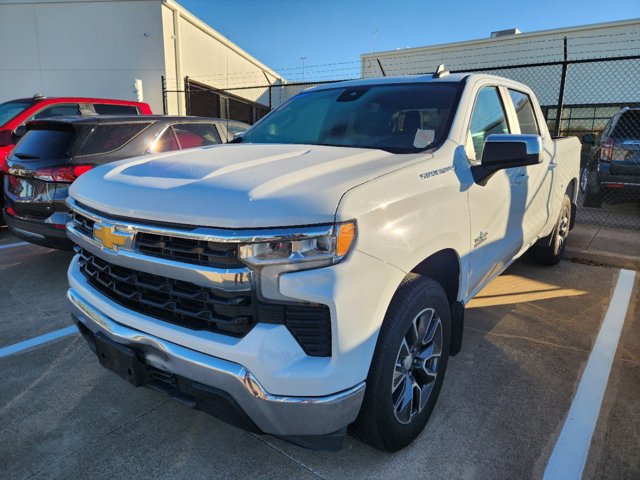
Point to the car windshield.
(399, 118)
(9, 110)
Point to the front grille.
(174, 301)
(83, 224)
(199, 252)
(201, 308)
(179, 249)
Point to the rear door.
(536, 180)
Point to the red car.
(15, 113)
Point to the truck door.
(496, 209)
(537, 177)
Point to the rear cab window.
(524, 112)
(111, 109)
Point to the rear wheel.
(408, 366)
(549, 251)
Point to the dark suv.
(54, 152)
(613, 171)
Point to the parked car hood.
(235, 186)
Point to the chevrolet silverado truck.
(313, 275)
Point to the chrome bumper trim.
(273, 414)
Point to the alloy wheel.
(416, 367)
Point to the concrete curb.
(604, 258)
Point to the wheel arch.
(444, 267)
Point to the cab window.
(58, 111)
(488, 118)
(192, 135)
(524, 112)
(165, 143)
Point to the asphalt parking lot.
(528, 337)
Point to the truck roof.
(451, 78)
(425, 78)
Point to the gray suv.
(613, 171)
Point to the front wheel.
(549, 251)
(408, 366)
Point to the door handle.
(520, 179)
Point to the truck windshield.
(9, 110)
(399, 118)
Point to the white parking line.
(11, 245)
(32, 342)
(569, 456)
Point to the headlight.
(312, 247)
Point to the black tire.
(592, 200)
(378, 423)
(549, 251)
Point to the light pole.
(303, 59)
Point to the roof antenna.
(441, 71)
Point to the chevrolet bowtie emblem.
(110, 238)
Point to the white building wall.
(99, 48)
(590, 41)
(82, 48)
(206, 56)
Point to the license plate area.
(121, 360)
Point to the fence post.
(563, 79)
(164, 95)
(187, 95)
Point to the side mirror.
(19, 131)
(507, 151)
(589, 138)
(6, 138)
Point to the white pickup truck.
(314, 274)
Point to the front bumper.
(298, 419)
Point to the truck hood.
(235, 186)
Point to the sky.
(332, 34)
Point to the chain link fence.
(595, 99)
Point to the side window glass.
(192, 135)
(165, 143)
(234, 129)
(110, 109)
(525, 113)
(488, 117)
(58, 111)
